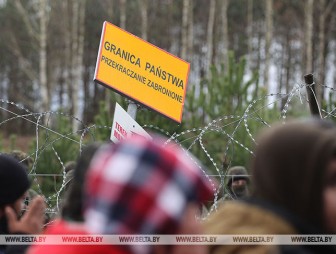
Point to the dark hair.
(290, 164)
(73, 204)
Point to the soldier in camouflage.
(237, 183)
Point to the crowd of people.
(144, 187)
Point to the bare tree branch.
(24, 64)
(329, 8)
(33, 32)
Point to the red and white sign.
(124, 126)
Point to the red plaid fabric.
(139, 186)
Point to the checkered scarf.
(139, 186)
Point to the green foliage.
(103, 119)
(219, 109)
(12, 142)
(224, 93)
(148, 117)
(53, 150)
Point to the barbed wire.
(228, 126)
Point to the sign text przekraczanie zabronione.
(141, 71)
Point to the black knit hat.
(14, 180)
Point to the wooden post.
(312, 98)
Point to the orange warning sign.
(142, 71)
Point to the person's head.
(140, 186)
(73, 204)
(237, 181)
(14, 184)
(294, 168)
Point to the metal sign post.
(132, 109)
(125, 126)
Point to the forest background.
(246, 57)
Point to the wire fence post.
(312, 98)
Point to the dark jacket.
(10, 249)
(248, 217)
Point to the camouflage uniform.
(233, 174)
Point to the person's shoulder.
(16, 249)
(240, 217)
